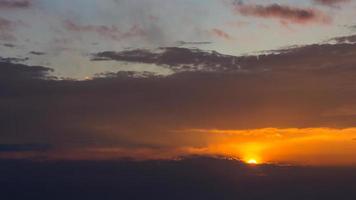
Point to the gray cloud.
(178, 59)
(15, 4)
(345, 39)
(37, 53)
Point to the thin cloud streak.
(15, 4)
(284, 13)
(221, 34)
(331, 2)
(112, 32)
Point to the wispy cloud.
(220, 34)
(112, 32)
(7, 28)
(15, 4)
(283, 12)
(331, 2)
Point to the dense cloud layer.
(145, 115)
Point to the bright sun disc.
(252, 162)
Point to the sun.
(252, 162)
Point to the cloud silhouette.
(178, 59)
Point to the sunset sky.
(177, 99)
(261, 81)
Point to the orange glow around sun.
(293, 146)
(312, 146)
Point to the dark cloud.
(283, 12)
(11, 72)
(179, 59)
(331, 2)
(13, 60)
(15, 4)
(291, 88)
(9, 45)
(37, 53)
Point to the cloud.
(185, 43)
(220, 34)
(284, 13)
(15, 72)
(123, 113)
(15, 4)
(5, 24)
(13, 60)
(331, 2)
(7, 28)
(111, 32)
(9, 45)
(344, 39)
(37, 53)
(178, 59)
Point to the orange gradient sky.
(310, 146)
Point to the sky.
(177, 99)
(69, 32)
(258, 81)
